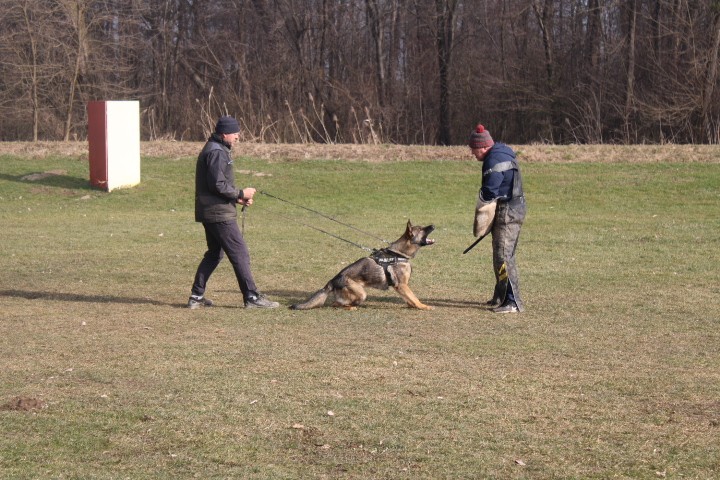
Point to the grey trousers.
(509, 218)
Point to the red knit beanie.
(480, 138)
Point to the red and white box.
(114, 142)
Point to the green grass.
(613, 371)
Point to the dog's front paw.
(421, 306)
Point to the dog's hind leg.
(350, 296)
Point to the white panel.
(123, 143)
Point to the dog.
(384, 268)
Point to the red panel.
(97, 140)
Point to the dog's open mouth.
(428, 231)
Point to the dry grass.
(612, 372)
(381, 153)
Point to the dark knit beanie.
(480, 138)
(227, 124)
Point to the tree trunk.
(76, 14)
(544, 19)
(630, 83)
(445, 11)
(711, 78)
(33, 73)
(377, 31)
(593, 38)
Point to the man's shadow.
(76, 297)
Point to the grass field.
(613, 371)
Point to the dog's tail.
(317, 299)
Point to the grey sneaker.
(508, 307)
(197, 302)
(260, 301)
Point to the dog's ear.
(409, 226)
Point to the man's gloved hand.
(484, 216)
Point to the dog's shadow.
(450, 303)
(294, 296)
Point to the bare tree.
(630, 82)
(33, 66)
(711, 78)
(24, 70)
(399, 71)
(445, 11)
(75, 14)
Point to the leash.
(325, 216)
(367, 249)
(244, 207)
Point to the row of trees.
(401, 71)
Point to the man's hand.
(247, 196)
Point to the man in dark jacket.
(216, 198)
(500, 209)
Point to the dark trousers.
(224, 238)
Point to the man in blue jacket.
(500, 209)
(216, 198)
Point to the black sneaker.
(197, 302)
(508, 307)
(260, 301)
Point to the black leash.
(244, 208)
(325, 216)
(367, 249)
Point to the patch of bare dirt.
(539, 153)
(24, 404)
(40, 176)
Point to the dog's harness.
(386, 257)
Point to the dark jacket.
(215, 192)
(499, 171)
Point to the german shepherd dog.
(383, 269)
